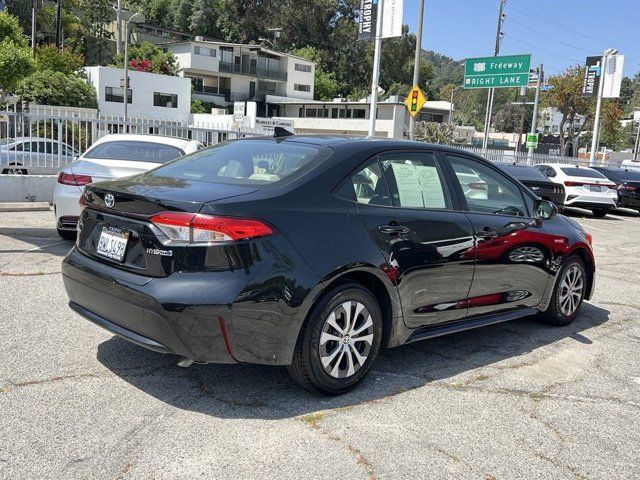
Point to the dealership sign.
(592, 73)
(391, 19)
(497, 72)
(612, 76)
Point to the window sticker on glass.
(432, 191)
(408, 185)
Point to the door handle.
(393, 229)
(487, 234)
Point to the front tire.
(339, 341)
(568, 293)
(600, 212)
(67, 234)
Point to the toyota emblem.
(109, 200)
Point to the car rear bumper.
(591, 201)
(65, 204)
(628, 201)
(125, 304)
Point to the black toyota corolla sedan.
(537, 182)
(627, 183)
(316, 252)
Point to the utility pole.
(34, 10)
(375, 78)
(637, 145)
(119, 27)
(59, 25)
(490, 95)
(416, 64)
(536, 101)
(596, 120)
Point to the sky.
(558, 33)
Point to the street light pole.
(490, 95)
(534, 120)
(33, 26)
(375, 78)
(119, 27)
(416, 63)
(125, 96)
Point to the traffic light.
(414, 101)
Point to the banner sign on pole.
(368, 17)
(392, 18)
(497, 72)
(612, 76)
(591, 81)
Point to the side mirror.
(545, 209)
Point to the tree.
(509, 119)
(11, 30)
(566, 96)
(433, 132)
(148, 57)
(55, 88)
(611, 134)
(49, 57)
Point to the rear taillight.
(627, 188)
(197, 228)
(71, 179)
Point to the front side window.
(167, 100)
(486, 190)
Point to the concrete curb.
(24, 207)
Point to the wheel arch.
(589, 264)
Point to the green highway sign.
(532, 140)
(497, 72)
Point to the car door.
(512, 250)
(406, 203)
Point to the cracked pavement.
(510, 401)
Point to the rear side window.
(402, 179)
(581, 172)
(135, 151)
(246, 162)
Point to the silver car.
(35, 155)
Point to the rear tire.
(67, 234)
(568, 293)
(339, 341)
(600, 212)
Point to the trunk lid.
(103, 169)
(124, 207)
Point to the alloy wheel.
(346, 339)
(571, 290)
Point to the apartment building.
(223, 72)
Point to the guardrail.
(524, 158)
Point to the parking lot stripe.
(592, 227)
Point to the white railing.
(43, 139)
(524, 158)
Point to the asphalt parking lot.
(516, 400)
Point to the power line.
(550, 37)
(550, 52)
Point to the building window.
(311, 113)
(301, 67)
(168, 100)
(207, 52)
(359, 113)
(116, 94)
(301, 88)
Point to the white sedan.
(112, 156)
(584, 187)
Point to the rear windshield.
(581, 172)
(245, 162)
(135, 151)
(624, 175)
(524, 173)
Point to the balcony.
(218, 93)
(252, 71)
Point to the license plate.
(113, 243)
(595, 188)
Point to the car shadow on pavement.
(44, 240)
(267, 392)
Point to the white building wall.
(296, 77)
(143, 86)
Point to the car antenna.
(281, 132)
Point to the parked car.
(627, 183)
(584, 187)
(112, 156)
(630, 165)
(270, 251)
(537, 182)
(24, 155)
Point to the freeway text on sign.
(497, 72)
